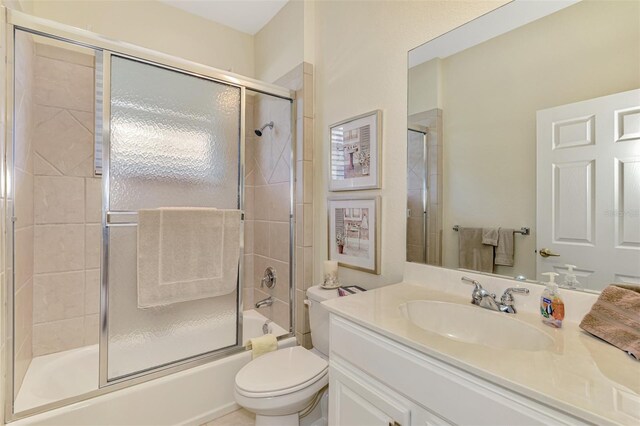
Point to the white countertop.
(581, 375)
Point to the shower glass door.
(173, 140)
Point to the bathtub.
(191, 397)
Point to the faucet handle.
(472, 281)
(507, 296)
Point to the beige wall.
(361, 65)
(425, 90)
(490, 136)
(279, 45)
(156, 26)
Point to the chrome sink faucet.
(484, 299)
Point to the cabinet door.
(355, 400)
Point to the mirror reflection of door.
(589, 189)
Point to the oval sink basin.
(473, 324)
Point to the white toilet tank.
(319, 317)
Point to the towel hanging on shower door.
(186, 254)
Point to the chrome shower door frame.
(194, 360)
(10, 21)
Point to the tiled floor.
(239, 417)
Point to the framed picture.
(354, 158)
(354, 233)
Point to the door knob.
(545, 252)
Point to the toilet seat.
(280, 372)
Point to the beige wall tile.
(299, 269)
(299, 183)
(23, 359)
(307, 227)
(58, 248)
(23, 313)
(299, 139)
(279, 202)
(308, 139)
(248, 236)
(91, 329)
(299, 225)
(93, 245)
(279, 241)
(42, 167)
(66, 55)
(84, 169)
(280, 313)
(249, 203)
(261, 238)
(58, 336)
(58, 296)
(58, 199)
(308, 96)
(23, 198)
(307, 68)
(63, 142)
(87, 119)
(64, 84)
(281, 171)
(262, 202)
(24, 241)
(93, 200)
(307, 182)
(92, 291)
(247, 299)
(248, 271)
(308, 267)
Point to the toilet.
(282, 386)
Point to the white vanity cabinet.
(375, 380)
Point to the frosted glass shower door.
(174, 141)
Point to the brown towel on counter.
(615, 318)
(472, 254)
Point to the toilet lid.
(280, 370)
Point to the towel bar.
(127, 218)
(523, 230)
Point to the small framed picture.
(354, 233)
(354, 159)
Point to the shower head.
(259, 131)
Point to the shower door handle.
(122, 219)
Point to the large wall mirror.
(523, 144)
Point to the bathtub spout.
(265, 302)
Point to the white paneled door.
(588, 189)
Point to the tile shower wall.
(66, 203)
(267, 200)
(270, 176)
(416, 174)
(24, 225)
(434, 186)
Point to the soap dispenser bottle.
(551, 304)
(570, 279)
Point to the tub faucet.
(484, 299)
(264, 302)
